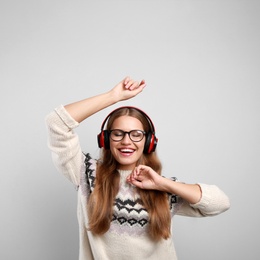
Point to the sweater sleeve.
(213, 202)
(64, 144)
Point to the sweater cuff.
(66, 117)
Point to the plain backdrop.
(201, 63)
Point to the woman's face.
(126, 152)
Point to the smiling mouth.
(126, 151)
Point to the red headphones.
(150, 142)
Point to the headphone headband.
(138, 109)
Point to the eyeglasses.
(134, 135)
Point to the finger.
(135, 173)
(131, 179)
(137, 85)
(142, 83)
(126, 80)
(128, 179)
(140, 168)
(131, 176)
(129, 83)
(134, 85)
(136, 183)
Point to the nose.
(126, 138)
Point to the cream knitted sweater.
(127, 237)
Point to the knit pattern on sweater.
(129, 215)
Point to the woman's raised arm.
(125, 89)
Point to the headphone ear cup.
(150, 143)
(155, 141)
(106, 139)
(100, 139)
(103, 139)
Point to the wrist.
(164, 184)
(113, 96)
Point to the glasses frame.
(129, 134)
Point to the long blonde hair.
(101, 200)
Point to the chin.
(126, 165)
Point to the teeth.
(126, 150)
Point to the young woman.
(125, 205)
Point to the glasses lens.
(136, 135)
(117, 135)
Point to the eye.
(117, 133)
(136, 133)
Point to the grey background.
(201, 63)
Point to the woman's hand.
(145, 177)
(127, 89)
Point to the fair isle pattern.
(88, 178)
(129, 215)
